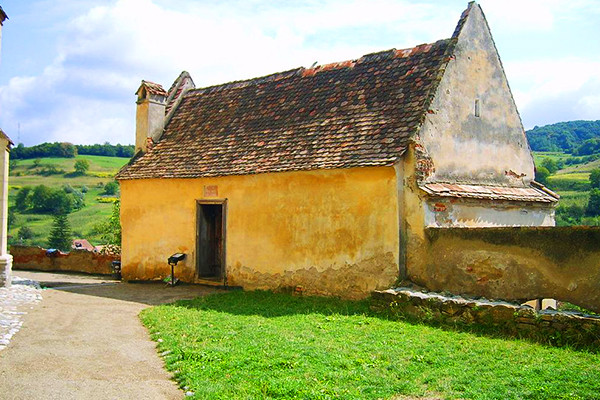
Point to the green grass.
(97, 163)
(260, 345)
(102, 170)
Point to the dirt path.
(85, 341)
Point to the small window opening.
(477, 108)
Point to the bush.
(111, 188)
(110, 230)
(25, 233)
(82, 166)
(593, 206)
(550, 164)
(23, 198)
(595, 179)
(541, 175)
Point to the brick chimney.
(150, 115)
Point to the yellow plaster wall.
(330, 231)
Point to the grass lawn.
(538, 156)
(260, 345)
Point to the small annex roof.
(534, 193)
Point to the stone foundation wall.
(515, 263)
(34, 258)
(548, 326)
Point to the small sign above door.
(211, 191)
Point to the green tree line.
(68, 150)
(569, 137)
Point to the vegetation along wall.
(515, 263)
(329, 231)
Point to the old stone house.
(327, 177)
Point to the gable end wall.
(492, 148)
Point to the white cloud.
(85, 94)
(548, 91)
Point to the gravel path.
(85, 340)
(15, 302)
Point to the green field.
(262, 345)
(25, 173)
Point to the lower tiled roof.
(351, 114)
(534, 193)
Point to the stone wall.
(495, 317)
(515, 263)
(34, 258)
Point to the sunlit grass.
(260, 345)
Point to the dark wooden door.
(210, 255)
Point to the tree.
(37, 162)
(48, 200)
(60, 234)
(110, 230)
(12, 217)
(23, 199)
(541, 175)
(593, 206)
(595, 178)
(25, 233)
(550, 164)
(111, 188)
(82, 166)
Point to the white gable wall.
(485, 149)
(467, 148)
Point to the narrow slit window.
(477, 108)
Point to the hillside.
(563, 136)
(56, 173)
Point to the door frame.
(223, 204)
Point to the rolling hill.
(58, 172)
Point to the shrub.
(541, 175)
(82, 166)
(593, 206)
(111, 188)
(25, 233)
(595, 179)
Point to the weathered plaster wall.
(491, 148)
(512, 263)
(330, 231)
(450, 212)
(34, 258)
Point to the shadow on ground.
(105, 286)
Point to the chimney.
(150, 115)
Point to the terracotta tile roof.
(82, 244)
(153, 88)
(534, 193)
(349, 114)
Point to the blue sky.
(69, 68)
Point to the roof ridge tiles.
(302, 71)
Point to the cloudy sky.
(69, 68)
